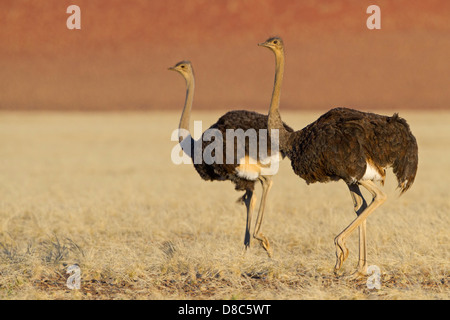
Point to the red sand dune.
(119, 58)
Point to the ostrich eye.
(183, 67)
(275, 42)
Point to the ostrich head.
(184, 68)
(274, 43)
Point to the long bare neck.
(274, 120)
(186, 114)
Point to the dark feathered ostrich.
(349, 145)
(242, 172)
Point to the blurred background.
(119, 58)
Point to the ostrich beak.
(265, 44)
(171, 68)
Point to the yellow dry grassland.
(100, 190)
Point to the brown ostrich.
(350, 145)
(242, 172)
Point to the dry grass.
(100, 190)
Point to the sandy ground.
(99, 190)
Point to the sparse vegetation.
(99, 190)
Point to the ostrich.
(349, 145)
(242, 173)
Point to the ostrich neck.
(274, 120)
(187, 142)
(186, 114)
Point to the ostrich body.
(353, 146)
(242, 172)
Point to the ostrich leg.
(360, 205)
(341, 251)
(249, 200)
(266, 183)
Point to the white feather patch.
(247, 175)
(371, 173)
(250, 169)
(270, 165)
